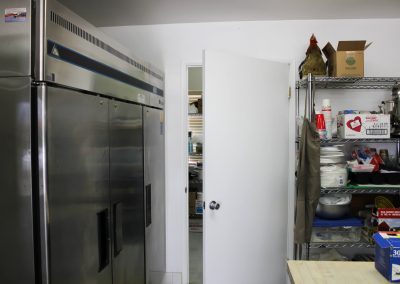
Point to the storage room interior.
(231, 151)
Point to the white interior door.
(246, 110)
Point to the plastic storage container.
(333, 176)
(341, 230)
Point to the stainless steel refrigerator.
(155, 194)
(82, 173)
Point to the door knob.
(214, 205)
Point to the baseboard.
(165, 277)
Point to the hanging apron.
(308, 183)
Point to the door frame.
(185, 117)
(292, 161)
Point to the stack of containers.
(333, 167)
(327, 112)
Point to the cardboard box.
(387, 254)
(195, 203)
(348, 60)
(199, 207)
(363, 126)
(386, 219)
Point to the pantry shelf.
(352, 141)
(310, 85)
(362, 190)
(340, 245)
(350, 82)
(195, 181)
(196, 155)
(336, 141)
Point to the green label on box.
(350, 60)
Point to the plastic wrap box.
(340, 230)
(355, 126)
(386, 219)
(387, 254)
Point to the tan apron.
(308, 183)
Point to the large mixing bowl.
(332, 211)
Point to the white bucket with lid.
(334, 176)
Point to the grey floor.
(195, 257)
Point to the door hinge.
(185, 189)
(204, 205)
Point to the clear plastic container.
(336, 234)
(336, 231)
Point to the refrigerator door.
(126, 191)
(15, 38)
(16, 214)
(78, 188)
(155, 191)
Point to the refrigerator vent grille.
(62, 22)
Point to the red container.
(320, 121)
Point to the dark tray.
(374, 178)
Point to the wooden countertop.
(327, 272)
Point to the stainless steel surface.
(361, 244)
(127, 192)
(40, 45)
(332, 211)
(154, 178)
(395, 114)
(297, 112)
(361, 140)
(351, 82)
(310, 97)
(388, 106)
(15, 41)
(214, 205)
(69, 30)
(42, 183)
(78, 185)
(157, 101)
(396, 91)
(16, 212)
(56, 23)
(362, 190)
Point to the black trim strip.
(63, 53)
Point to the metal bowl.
(332, 211)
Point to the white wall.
(172, 46)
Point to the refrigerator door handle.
(103, 238)
(148, 205)
(117, 228)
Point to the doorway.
(195, 172)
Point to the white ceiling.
(106, 13)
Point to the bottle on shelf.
(327, 112)
(190, 143)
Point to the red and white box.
(386, 219)
(363, 126)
